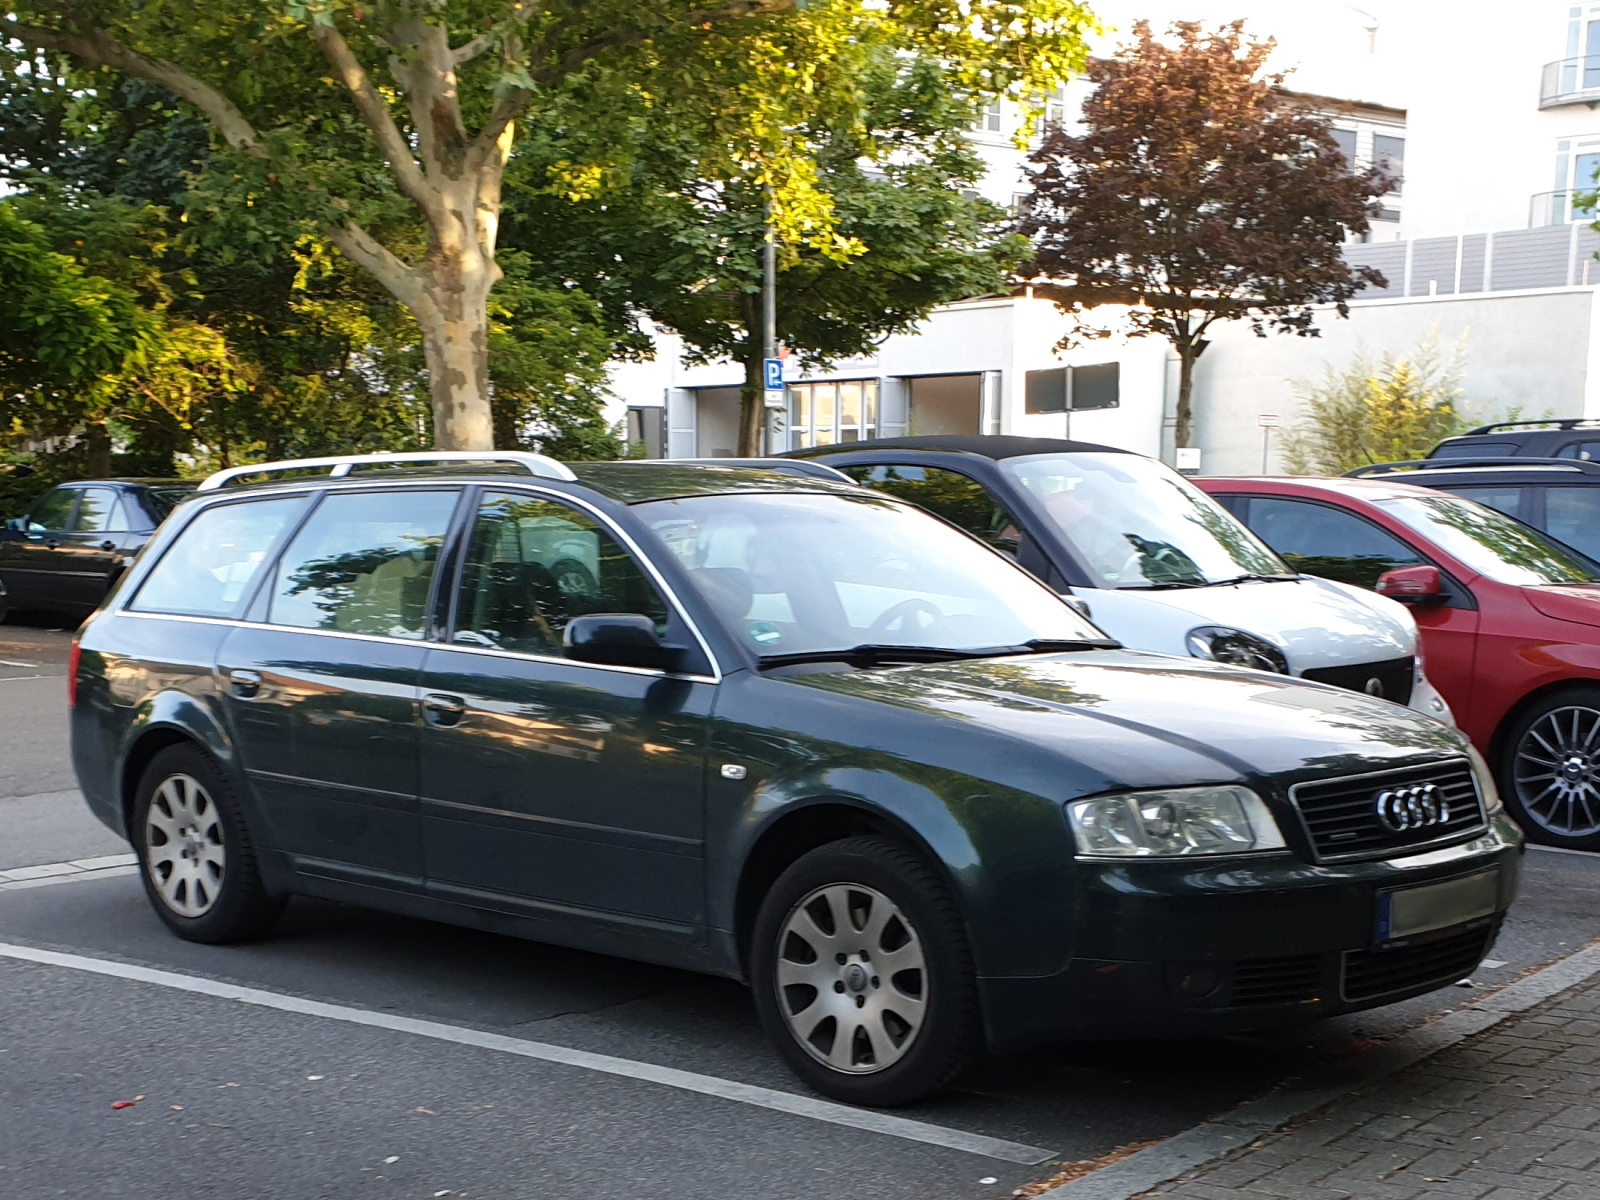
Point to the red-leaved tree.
(1197, 191)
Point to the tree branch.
(97, 46)
(477, 47)
(388, 268)
(375, 112)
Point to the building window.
(1073, 389)
(991, 118)
(1346, 138)
(647, 427)
(1055, 107)
(1389, 156)
(827, 414)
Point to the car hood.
(1315, 622)
(1575, 603)
(1149, 720)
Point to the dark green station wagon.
(772, 727)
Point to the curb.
(1220, 1136)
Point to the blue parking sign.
(772, 370)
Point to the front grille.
(1276, 980)
(1371, 973)
(1341, 815)
(1391, 680)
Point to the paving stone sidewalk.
(1513, 1114)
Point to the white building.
(1492, 116)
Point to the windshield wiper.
(1250, 577)
(872, 654)
(876, 655)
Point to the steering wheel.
(904, 615)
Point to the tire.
(196, 857)
(1549, 771)
(5, 604)
(917, 1028)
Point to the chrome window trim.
(1414, 848)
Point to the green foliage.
(1395, 409)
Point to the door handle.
(246, 684)
(442, 709)
(108, 544)
(52, 543)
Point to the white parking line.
(706, 1085)
(11, 662)
(1564, 850)
(44, 874)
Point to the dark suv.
(1571, 437)
(76, 539)
(773, 727)
(1560, 496)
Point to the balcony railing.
(1557, 208)
(1570, 81)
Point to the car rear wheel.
(862, 974)
(1550, 770)
(196, 857)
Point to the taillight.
(72, 673)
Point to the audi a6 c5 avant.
(772, 727)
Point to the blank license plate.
(1409, 911)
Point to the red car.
(1510, 623)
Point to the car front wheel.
(1550, 770)
(862, 974)
(195, 853)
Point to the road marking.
(706, 1085)
(1563, 850)
(11, 662)
(102, 867)
(20, 678)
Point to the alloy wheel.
(184, 851)
(1557, 771)
(852, 981)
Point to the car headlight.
(1235, 647)
(1174, 823)
(1486, 787)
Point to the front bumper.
(1175, 948)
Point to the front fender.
(1006, 852)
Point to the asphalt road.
(283, 1098)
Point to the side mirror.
(619, 640)
(14, 524)
(1412, 585)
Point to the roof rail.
(1581, 465)
(1557, 422)
(341, 464)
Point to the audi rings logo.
(1404, 809)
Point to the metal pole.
(1266, 436)
(769, 304)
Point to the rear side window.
(1474, 450)
(53, 511)
(209, 568)
(363, 563)
(1508, 500)
(99, 512)
(1572, 515)
(1329, 542)
(1588, 451)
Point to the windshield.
(1489, 542)
(798, 573)
(1138, 523)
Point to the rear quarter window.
(210, 567)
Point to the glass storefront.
(826, 414)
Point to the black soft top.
(996, 446)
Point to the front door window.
(1329, 542)
(533, 565)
